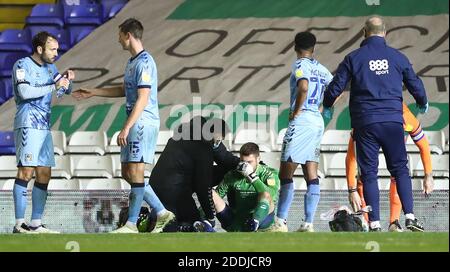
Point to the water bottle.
(60, 92)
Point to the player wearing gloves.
(252, 193)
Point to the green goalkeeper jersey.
(242, 196)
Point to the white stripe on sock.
(20, 221)
(161, 213)
(36, 223)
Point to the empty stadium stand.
(7, 143)
(70, 21)
(92, 166)
(279, 141)
(436, 140)
(335, 140)
(82, 168)
(265, 139)
(88, 151)
(8, 167)
(88, 142)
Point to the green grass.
(229, 242)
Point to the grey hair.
(375, 25)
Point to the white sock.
(375, 224)
(36, 223)
(20, 221)
(410, 216)
(131, 224)
(161, 213)
(281, 221)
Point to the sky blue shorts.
(141, 144)
(34, 147)
(301, 142)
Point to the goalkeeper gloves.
(327, 113)
(247, 171)
(423, 108)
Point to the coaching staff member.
(376, 72)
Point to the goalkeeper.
(252, 192)
(355, 188)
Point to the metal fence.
(98, 211)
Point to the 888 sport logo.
(380, 67)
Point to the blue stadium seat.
(85, 15)
(46, 14)
(7, 143)
(15, 40)
(82, 20)
(5, 89)
(68, 5)
(112, 7)
(76, 2)
(62, 35)
(77, 33)
(8, 59)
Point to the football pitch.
(228, 242)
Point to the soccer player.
(139, 133)
(412, 126)
(34, 79)
(301, 144)
(252, 192)
(377, 73)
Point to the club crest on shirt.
(317, 152)
(28, 157)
